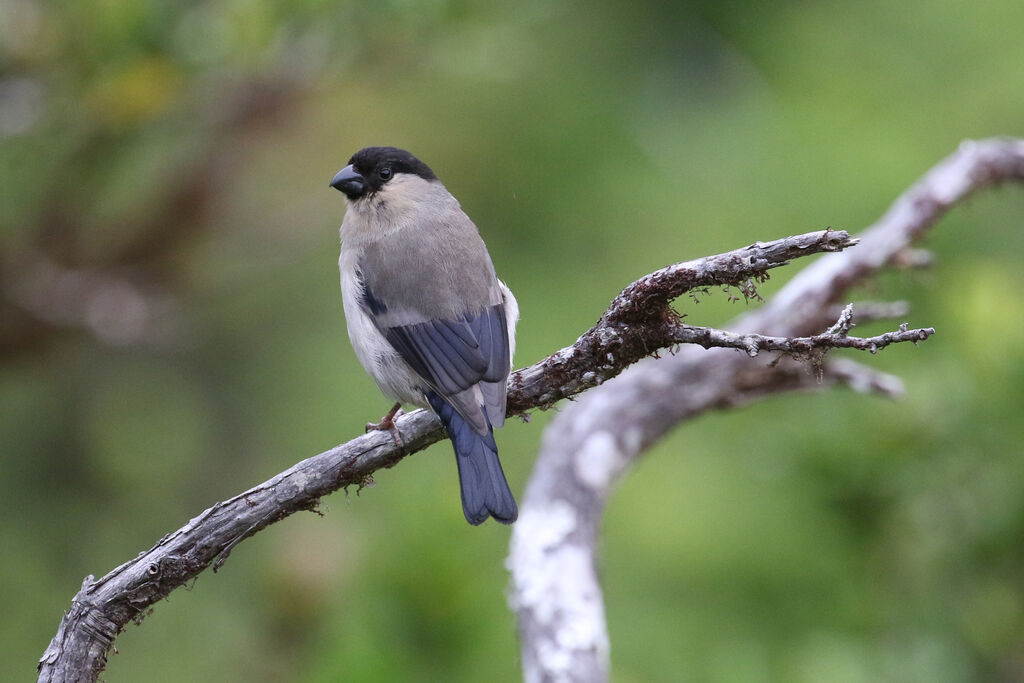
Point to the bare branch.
(638, 323)
(647, 297)
(868, 311)
(556, 593)
(863, 379)
(911, 259)
(834, 338)
(590, 444)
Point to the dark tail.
(485, 491)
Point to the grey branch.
(867, 311)
(638, 323)
(752, 344)
(589, 446)
(640, 320)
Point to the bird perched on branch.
(427, 316)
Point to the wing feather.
(453, 356)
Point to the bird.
(427, 316)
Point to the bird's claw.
(387, 424)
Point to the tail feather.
(485, 491)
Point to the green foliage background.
(187, 147)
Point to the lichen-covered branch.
(833, 338)
(640, 320)
(556, 591)
(590, 445)
(638, 323)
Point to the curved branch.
(638, 323)
(556, 591)
(588, 447)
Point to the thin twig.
(835, 337)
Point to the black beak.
(349, 181)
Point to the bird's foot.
(387, 424)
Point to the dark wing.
(452, 356)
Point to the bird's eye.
(384, 173)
